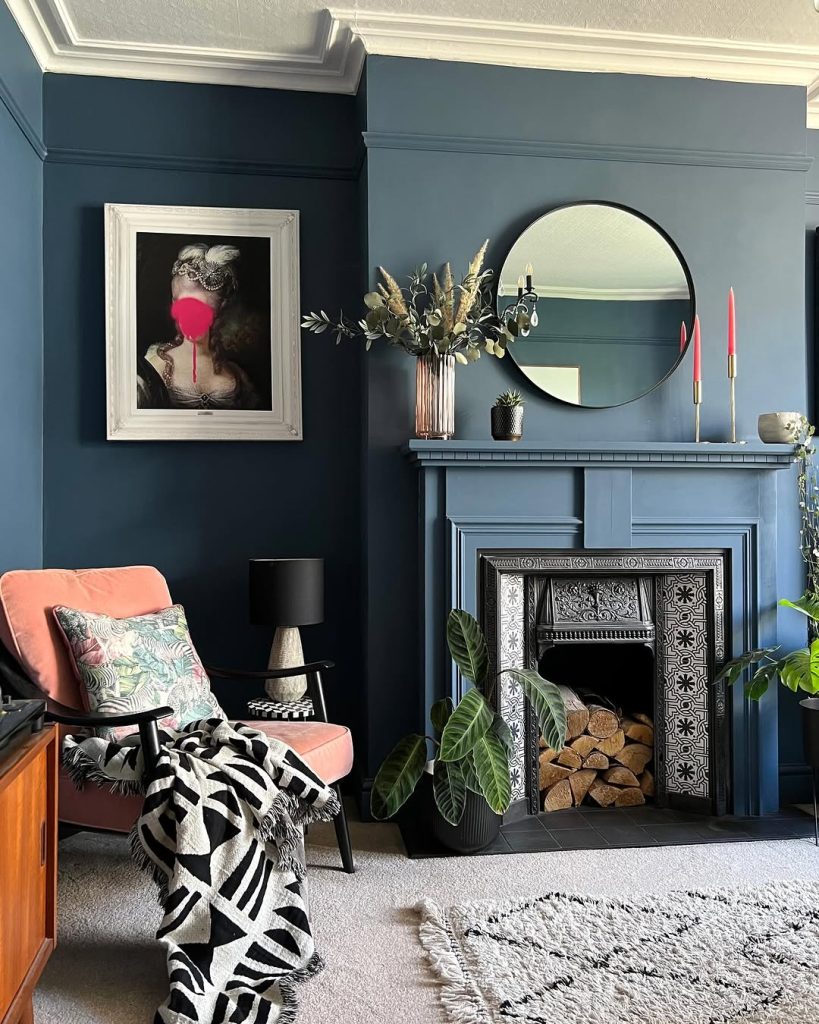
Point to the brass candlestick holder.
(732, 384)
(697, 404)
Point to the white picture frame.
(277, 415)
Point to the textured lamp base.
(286, 652)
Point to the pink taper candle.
(697, 352)
(683, 336)
(732, 324)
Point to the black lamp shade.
(286, 591)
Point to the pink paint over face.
(193, 316)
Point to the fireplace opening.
(608, 757)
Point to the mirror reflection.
(609, 299)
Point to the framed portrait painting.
(203, 337)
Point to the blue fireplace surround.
(479, 496)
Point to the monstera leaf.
(808, 604)
(734, 669)
(546, 702)
(449, 787)
(492, 768)
(469, 721)
(757, 685)
(800, 670)
(467, 646)
(398, 776)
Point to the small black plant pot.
(810, 730)
(507, 422)
(478, 827)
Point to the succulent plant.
(509, 398)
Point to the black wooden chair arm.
(146, 721)
(56, 712)
(270, 673)
(315, 690)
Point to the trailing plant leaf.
(800, 670)
(449, 788)
(467, 646)
(467, 723)
(398, 776)
(504, 733)
(734, 669)
(757, 685)
(547, 703)
(440, 712)
(492, 769)
(808, 604)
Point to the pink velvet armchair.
(35, 663)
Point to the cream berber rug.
(700, 957)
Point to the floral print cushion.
(138, 663)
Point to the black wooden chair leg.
(343, 835)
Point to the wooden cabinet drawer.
(27, 867)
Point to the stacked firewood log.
(606, 760)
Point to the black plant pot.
(810, 730)
(810, 737)
(507, 422)
(478, 827)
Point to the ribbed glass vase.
(435, 396)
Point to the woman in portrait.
(197, 368)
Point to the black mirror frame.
(685, 269)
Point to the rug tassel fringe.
(460, 998)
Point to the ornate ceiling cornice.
(334, 62)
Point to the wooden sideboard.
(28, 870)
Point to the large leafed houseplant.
(471, 742)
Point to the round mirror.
(604, 302)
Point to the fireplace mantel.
(609, 454)
(598, 498)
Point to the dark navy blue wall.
(719, 166)
(198, 510)
(21, 400)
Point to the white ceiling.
(298, 44)
(595, 252)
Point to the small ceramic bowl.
(779, 427)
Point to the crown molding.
(583, 49)
(345, 35)
(333, 64)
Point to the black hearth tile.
(531, 823)
(775, 828)
(792, 811)
(581, 839)
(597, 816)
(726, 826)
(559, 820)
(499, 845)
(532, 842)
(681, 834)
(621, 836)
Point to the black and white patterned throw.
(221, 834)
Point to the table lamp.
(286, 593)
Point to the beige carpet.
(107, 970)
